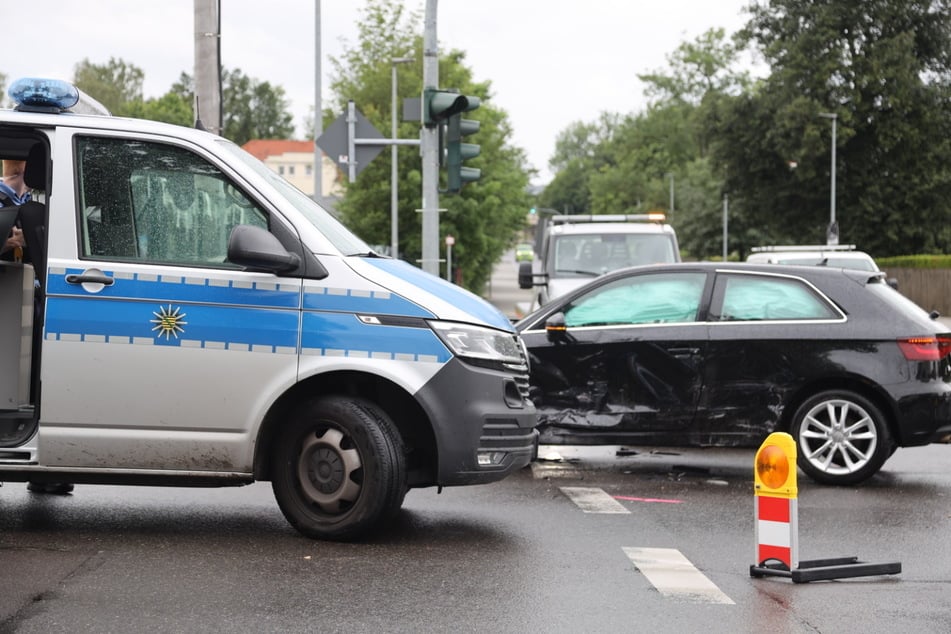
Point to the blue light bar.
(43, 95)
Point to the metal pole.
(726, 207)
(394, 169)
(671, 174)
(448, 262)
(832, 235)
(429, 148)
(207, 64)
(318, 114)
(351, 140)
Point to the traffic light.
(440, 105)
(457, 151)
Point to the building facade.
(294, 160)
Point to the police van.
(183, 316)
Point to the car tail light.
(925, 348)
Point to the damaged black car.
(722, 355)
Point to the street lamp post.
(832, 235)
(671, 175)
(394, 168)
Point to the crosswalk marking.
(594, 500)
(674, 576)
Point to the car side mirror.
(257, 249)
(556, 329)
(893, 282)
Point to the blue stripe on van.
(344, 334)
(238, 327)
(178, 288)
(450, 293)
(359, 301)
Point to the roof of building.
(263, 148)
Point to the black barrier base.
(822, 569)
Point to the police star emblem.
(168, 322)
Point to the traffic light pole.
(429, 149)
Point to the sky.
(550, 62)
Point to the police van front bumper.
(483, 421)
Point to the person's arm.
(13, 241)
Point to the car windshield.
(341, 237)
(598, 253)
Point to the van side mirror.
(257, 249)
(525, 277)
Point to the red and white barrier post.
(777, 522)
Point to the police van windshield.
(341, 237)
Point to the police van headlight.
(483, 346)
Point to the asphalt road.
(520, 555)
(597, 539)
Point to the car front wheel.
(842, 438)
(338, 469)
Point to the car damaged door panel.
(621, 362)
(759, 353)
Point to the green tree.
(578, 155)
(487, 215)
(625, 164)
(253, 109)
(170, 108)
(883, 68)
(114, 84)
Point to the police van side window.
(156, 203)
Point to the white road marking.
(674, 576)
(594, 500)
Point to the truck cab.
(183, 316)
(573, 249)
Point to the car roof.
(823, 278)
(762, 256)
(610, 227)
(104, 122)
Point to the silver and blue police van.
(182, 316)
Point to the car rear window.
(762, 297)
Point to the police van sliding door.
(158, 353)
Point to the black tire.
(842, 438)
(338, 469)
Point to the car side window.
(157, 203)
(641, 299)
(758, 298)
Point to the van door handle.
(90, 278)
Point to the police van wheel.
(338, 469)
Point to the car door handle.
(90, 278)
(683, 352)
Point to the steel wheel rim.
(329, 471)
(838, 437)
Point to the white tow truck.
(572, 249)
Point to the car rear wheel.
(842, 438)
(338, 469)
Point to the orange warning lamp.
(775, 466)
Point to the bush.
(915, 262)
